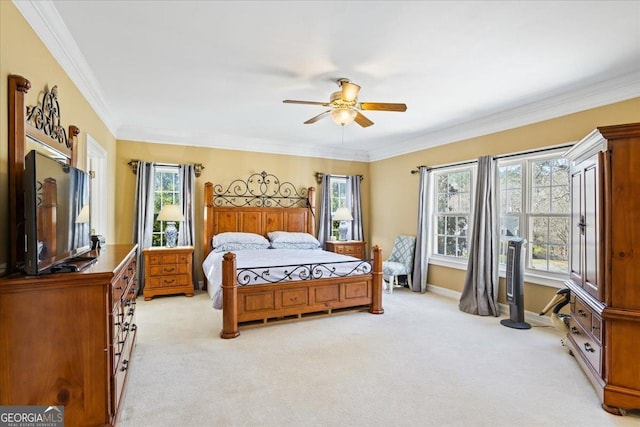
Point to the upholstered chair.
(400, 262)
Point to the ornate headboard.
(32, 127)
(259, 204)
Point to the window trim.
(447, 259)
(547, 278)
(163, 169)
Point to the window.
(452, 212)
(338, 199)
(534, 204)
(166, 192)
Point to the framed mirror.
(37, 128)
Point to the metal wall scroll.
(46, 117)
(260, 190)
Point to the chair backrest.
(403, 249)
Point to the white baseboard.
(529, 317)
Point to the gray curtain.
(354, 204)
(143, 215)
(480, 293)
(420, 264)
(186, 236)
(324, 227)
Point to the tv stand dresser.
(67, 338)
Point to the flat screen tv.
(57, 227)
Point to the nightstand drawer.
(351, 248)
(158, 259)
(169, 281)
(168, 269)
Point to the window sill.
(556, 282)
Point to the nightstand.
(353, 248)
(167, 271)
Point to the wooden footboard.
(295, 299)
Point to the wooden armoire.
(604, 278)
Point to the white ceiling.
(214, 73)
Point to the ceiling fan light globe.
(343, 116)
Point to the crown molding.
(606, 92)
(49, 26)
(236, 143)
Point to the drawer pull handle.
(169, 281)
(582, 313)
(575, 330)
(587, 347)
(169, 269)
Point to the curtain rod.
(319, 176)
(197, 167)
(503, 156)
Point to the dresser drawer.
(586, 344)
(169, 281)
(581, 313)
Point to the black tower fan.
(515, 284)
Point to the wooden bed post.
(376, 300)
(229, 297)
(208, 220)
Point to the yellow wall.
(222, 167)
(394, 203)
(23, 53)
(390, 190)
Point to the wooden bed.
(262, 204)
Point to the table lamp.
(343, 215)
(170, 214)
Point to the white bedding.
(250, 258)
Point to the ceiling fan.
(345, 107)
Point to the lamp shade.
(170, 213)
(83, 216)
(342, 214)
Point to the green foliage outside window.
(166, 192)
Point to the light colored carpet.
(422, 363)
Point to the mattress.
(260, 266)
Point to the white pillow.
(234, 237)
(283, 239)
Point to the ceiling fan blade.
(291, 101)
(382, 106)
(362, 120)
(316, 118)
(349, 91)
